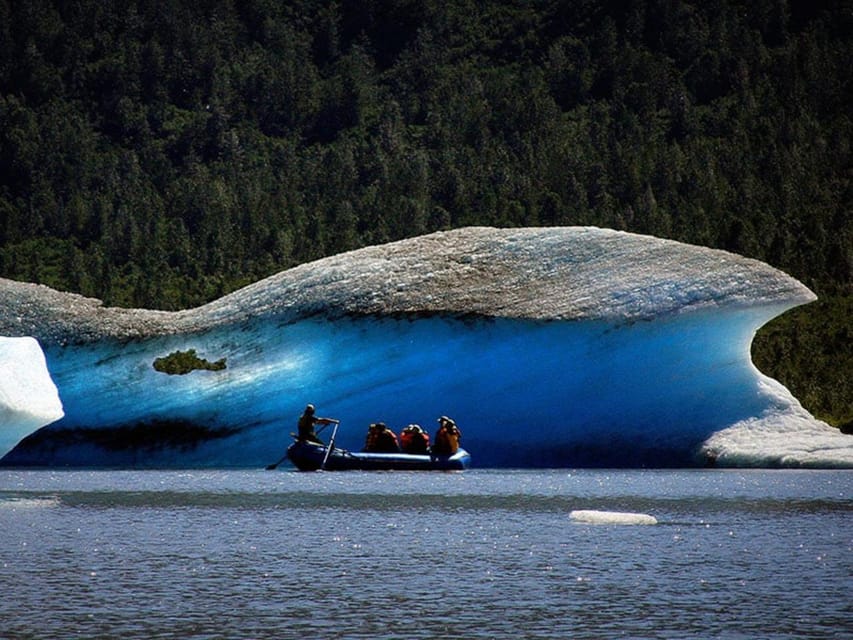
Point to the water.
(481, 554)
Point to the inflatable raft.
(311, 456)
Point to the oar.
(331, 446)
(272, 466)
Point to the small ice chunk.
(611, 517)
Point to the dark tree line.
(162, 153)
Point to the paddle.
(272, 466)
(331, 446)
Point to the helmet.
(309, 409)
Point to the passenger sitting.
(413, 439)
(446, 438)
(380, 439)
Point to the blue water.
(481, 554)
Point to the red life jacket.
(387, 441)
(414, 441)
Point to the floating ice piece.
(15, 502)
(591, 516)
(28, 397)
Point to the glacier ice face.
(783, 434)
(28, 397)
(550, 347)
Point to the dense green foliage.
(161, 153)
(182, 362)
(809, 349)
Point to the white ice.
(588, 516)
(784, 434)
(28, 397)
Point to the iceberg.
(570, 346)
(28, 397)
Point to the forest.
(162, 153)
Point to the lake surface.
(481, 554)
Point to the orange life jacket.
(381, 440)
(372, 439)
(447, 440)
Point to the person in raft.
(380, 439)
(446, 438)
(413, 439)
(306, 425)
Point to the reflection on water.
(484, 554)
